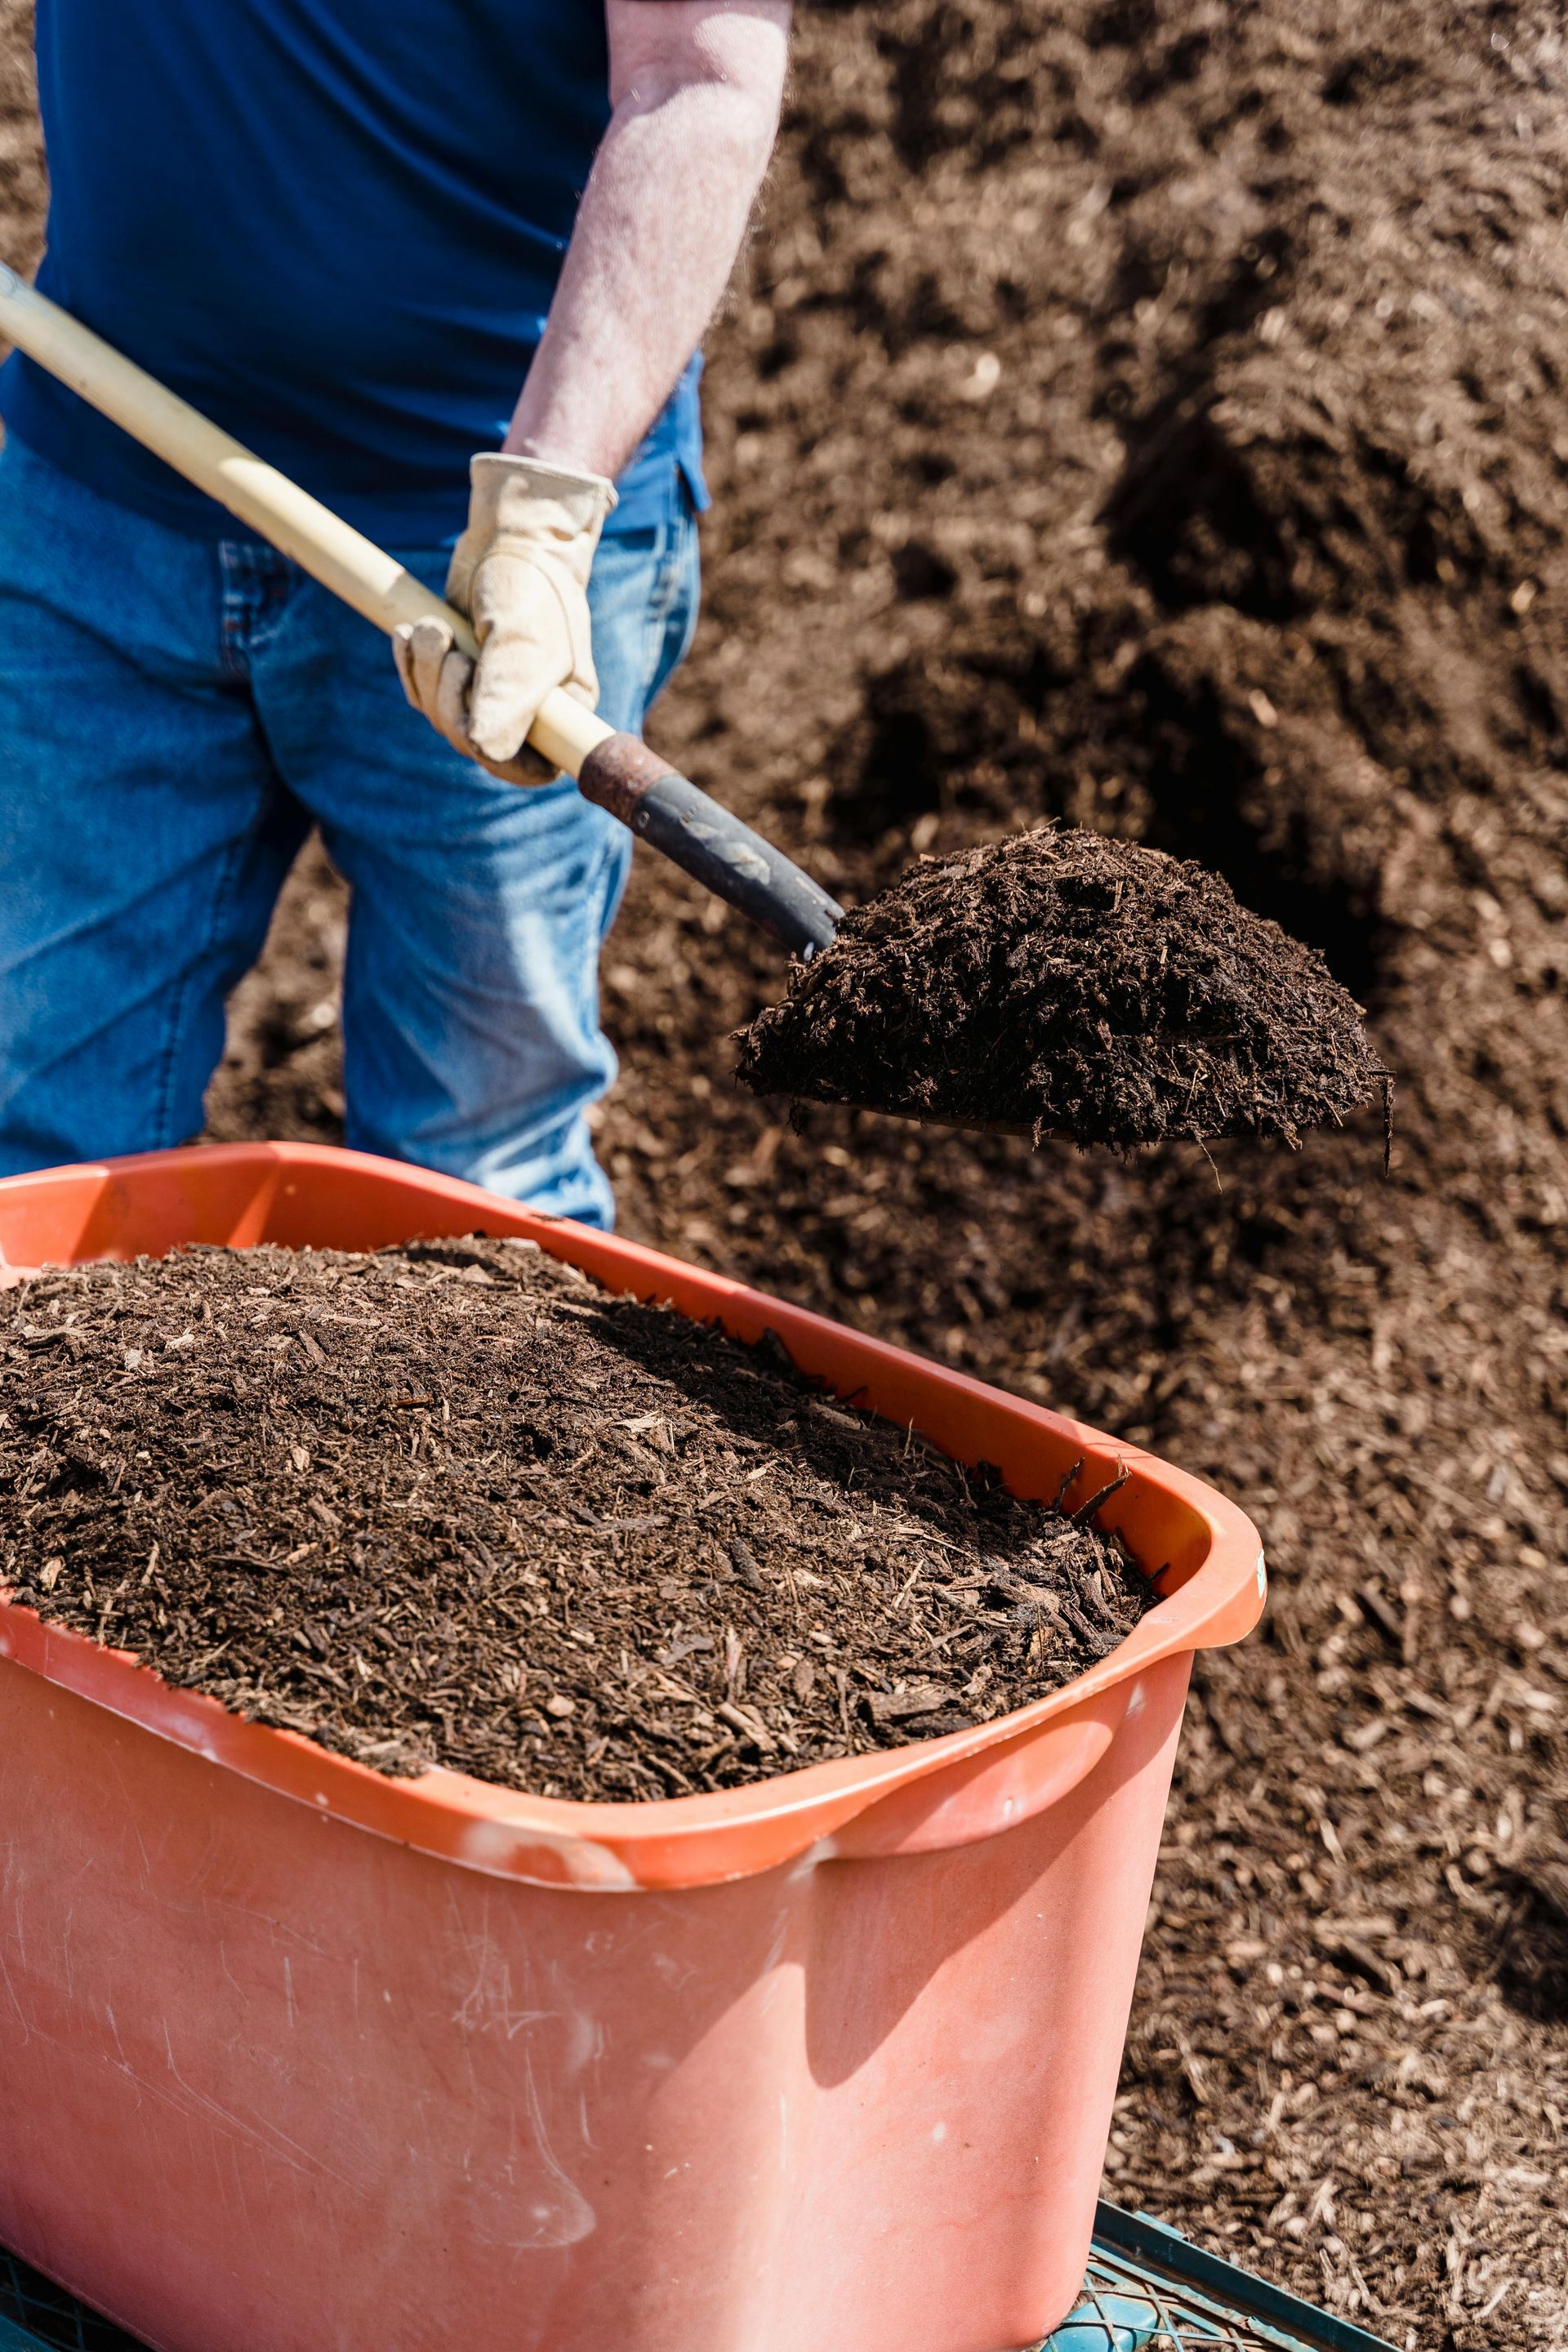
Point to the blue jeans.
(174, 715)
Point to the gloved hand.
(519, 571)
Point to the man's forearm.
(696, 86)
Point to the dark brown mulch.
(1150, 415)
(1075, 986)
(457, 1505)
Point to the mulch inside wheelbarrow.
(1072, 985)
(455, 1504)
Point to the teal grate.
(37, 2317)
(1148, 2289)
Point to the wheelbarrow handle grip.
(671, 813)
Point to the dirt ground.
(1153, 413)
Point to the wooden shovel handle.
(653, 799)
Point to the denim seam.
(674, 586)
(273, 614)
(661, 603)
(688, 586)
(180, 995)
(257, 586)
(232, 613)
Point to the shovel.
(615, 770)
(618, 772)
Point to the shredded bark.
(1074, 985)
(457, 1505)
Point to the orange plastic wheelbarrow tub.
(297, 2058)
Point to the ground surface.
(457, 1505)
(1154, 411)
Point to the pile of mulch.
(1073, 985)
(456, 1505)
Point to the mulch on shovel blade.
(1076, 985)
(456, 1505)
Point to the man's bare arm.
(696, 87)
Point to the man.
(339, 227)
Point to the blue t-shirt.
(333, 225)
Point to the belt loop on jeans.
(256, 581)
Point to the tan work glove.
(519, 571)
